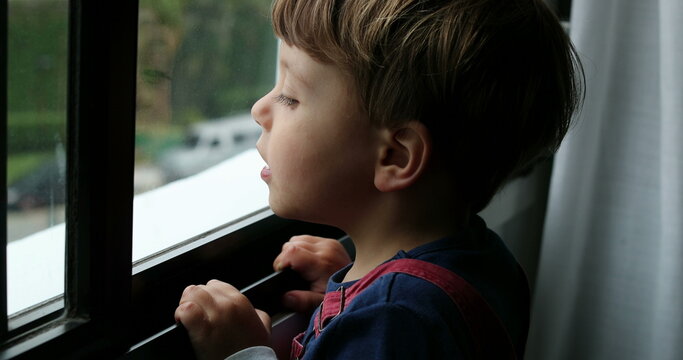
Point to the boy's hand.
(315, 259)
(220, 320)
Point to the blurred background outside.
(201, 65)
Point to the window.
(110, 140)
(36, 150)
(212, 114)
(201, 65)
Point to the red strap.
(491, 340)
(297, 351)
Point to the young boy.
(397, 121)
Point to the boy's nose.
(261, 113)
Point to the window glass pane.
(201, 65)
(36, 157)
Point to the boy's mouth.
(265, 173)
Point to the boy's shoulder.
(483, 262)
(477, 255)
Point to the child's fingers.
(214, 297)
(220, 320)
(265, 319)
(302, 301)
(322, 246)
(227, 300)
(191, 315)
(294, 256)
(314, 244)
(222, 289)
(305, 241)
(188, 312)
(197, 294)
(308, 240)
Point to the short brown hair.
(495, 81)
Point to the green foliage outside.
(170, 12)
(37, 78)
(152, 142)
(20, 165)
(31, 131)
(37, 56)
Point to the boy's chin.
(294, 213)
(284, 211)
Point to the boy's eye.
(285, 100)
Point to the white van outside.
(208, 143)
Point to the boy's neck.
(404, 225)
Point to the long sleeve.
(254, 353)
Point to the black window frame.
(108, 306)
(3, 165)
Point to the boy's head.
(494, 81)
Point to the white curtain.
(610, 281)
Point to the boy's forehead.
(304, 69)
(295, 63)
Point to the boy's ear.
(404, 153)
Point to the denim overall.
(491, 340)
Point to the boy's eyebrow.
(297, 75)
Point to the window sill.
(182, 214)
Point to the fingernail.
(278, 266)
(289, 301)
